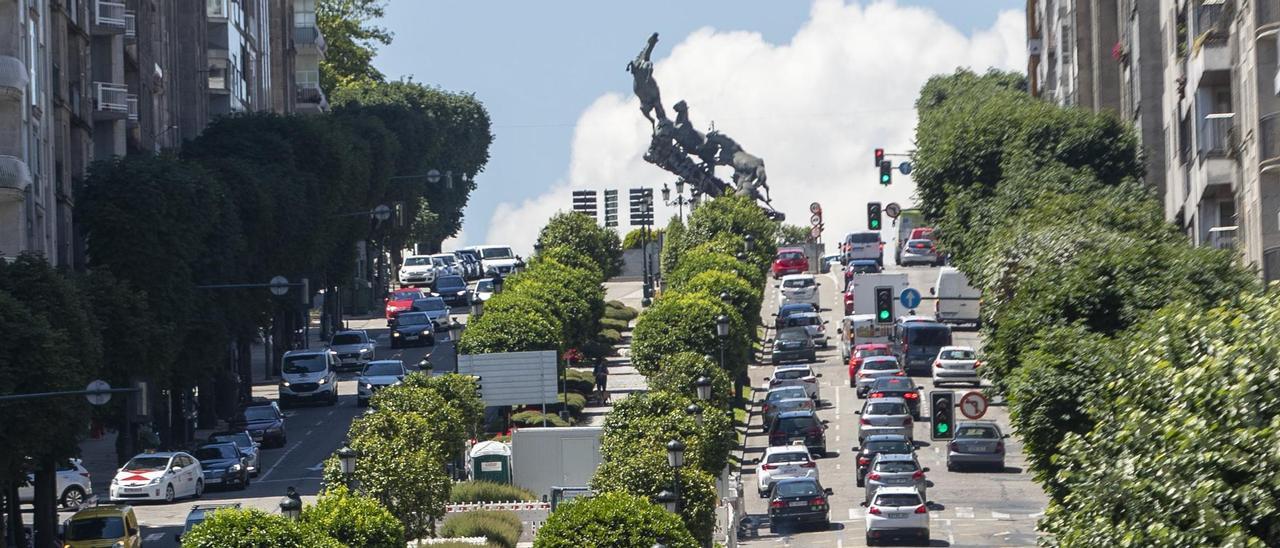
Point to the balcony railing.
(1212, 24)
(1269, 138)
(109, 14)
(1268, 12)
(1216, 132)
(309, 93)
(130, 25)
(308, 36)
(110, 97)
(132, 100)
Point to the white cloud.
(813, 109)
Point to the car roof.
(797, 480)
(885, 437)
(317, 352)
(872, 346)
(886, 400)
(797, 277)
(103, 510)
(798, 413)
(397, 362)
(786, 449)
(969, 348)
(978, 423)
(795, 306)
(213, 443)
(352, 332)
(869, 359)
(165, 454)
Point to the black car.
(890, 444)
(264, 421)
(789, 309)
(412, 329)
(918, 343)
(223, 464)
(792, 426)
(897, 387)
(793, 344)
(798, 501)
(453, 289)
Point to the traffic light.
(886, 172)
(884, 305)
(879, 156)
(943, 408)
(873, 215)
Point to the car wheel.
(168, 493)
(199, 489)
(72, 498)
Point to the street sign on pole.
(910, 298)
(279, 285)
(815, 232)
(815, 220)
(905, 168)
(102, 397)
(514, 378)
(641, 201)
(893, 210)
(815, 208)
(973, 405)
(382, 212)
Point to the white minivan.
(955, 300)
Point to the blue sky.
(538, 65)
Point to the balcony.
(15, 179)
(1217, 135)
(130, 25)
(110, 101)
(217, 9)
(13, 78)
(1210, 63)
(132, 101)
(310, 98)
(1269, 141)
(108, 17)
(222, 73)
(1268, 12)
(308, 39)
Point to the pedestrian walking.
(601, 372)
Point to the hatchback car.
(773, 397)
(860, 266)
(793, 344)
(401, 300)
(799, 288)
(244, 442)
(918, 252)
(74, 485)
(893, 444)
(814, 324)
(435, 308)
(897, 387)
(413, 329)
(354, 348)
(785, 311)
(158, 476)
(263, 420)
(417, 270)
(453, 289)
(784, 462)
(484, 289)
(862, 352)
(799, 501)
(105, 525)
(976, 444)
(885, 416)
(801, 403)
(796, 375)
(874, 367)
(790, 260)
(897, 513)
(223, 464)
(376, 376)
(895, 470)
(799, 426)
(956, 364)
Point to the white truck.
(864, 292)
(542, 458)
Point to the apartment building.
(28, 194)
(309, 51)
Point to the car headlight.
(284, 384)
(234, 468)
(324, 380)
(395, 333)
(364, 350)
(118, 544)
(463, 292)
(426, 331)
(368, 386)
(154, 481)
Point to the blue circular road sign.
(910, 298)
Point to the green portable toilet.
(491, 461)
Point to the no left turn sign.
(973, 405)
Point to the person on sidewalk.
(601, 372)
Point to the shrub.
(582, 234)
(651, 419)
(702, 258)
(533, 419)
(620, 312)
(677, 373)
(636, 235)
(353, 519)
(253, 528)
(644, 472)
(488, 491)
(612, 519)
(572, 401)
(579, 381)
(732, 216)
(616, 325)
(500, 527)
(597, 349)
(509, 332)
(672, 245)
(742, 295)
(609, 336)
(685, 322)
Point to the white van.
(859, 329)
(956, 300)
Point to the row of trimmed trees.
(1138, 368)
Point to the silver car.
(976, 443)
(354, 348)
(956, 364)
(795, 375)
(896, 470)
(919, 252)
(874, 367)
(376, 376)
(885, 416)
(783, 406)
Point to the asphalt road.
(971, 508)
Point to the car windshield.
(413, 319)
(106, 528)
(797, 489)
(977, 432)
(484, 285)
(863, 238)
(430, 305)
(259, 413)
(886, 408)
(146, 464)
(453, 283)
(796, 283)
(903, 499)
(894, 447)
(920, 336)
(347, 338)
(793, 334)
(896, 466)
(790, 255)
(405, 295)
(418, 261)
(957, 355)
(793, 392)
(789, 456)
(797, 320)
(869, 352)
(796, 424)
(466, 253)
(789, 374)
(241, 440)
(211, 452)
(496, 253)
(880, 365)
(309, 363)
(383, 369)
(796, 404)
(865, 268)
(447, 259)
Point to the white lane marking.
(154, 537)
(964, 512)
(999, 515)
(318, 467)
(308, 433)
(1036, 515)
(837, 438)
(282, 458)
(837, 466)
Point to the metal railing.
(132, 100)
(1269, 137)
(130, 24)
(1215, 135)
(308, 36)
(216, 8)
(110, 14)
(1212, 23)
(110, 97)
(309, 93)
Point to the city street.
(970, 508)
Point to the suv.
(73, 484)
(354, 348)
(790, 260)
(795, 375)
(799, 500)
(793, 344)
(896, 470)
(106, 525)
(872, 446)
(799, 288)
(264, 422)
(309, 375)
(784, 462)
(799, 426)
(918, 342)
(897, 512)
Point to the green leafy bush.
(500, 527)
(617, 520)
(651, 419)
(743, 296)
(620, 311)
(644, 472)
(584, 235)
(609, 336)
(354, 520)
(572, 401)
(636, 235)
(488, 491)
(701, 259)
(677, 373)
(686, 322)
(732, 217)
(534, 419)
(509, 332)
(615, 325)
(253, 528)
(579, 381)
(672, 246)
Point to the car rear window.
(886, 408)
(796, 404)
(977, 432)
(789, 456)
(896, 466)
(797, 489)
(791, 392)
(869, 352)
(863, 238)
(796, 424)
(904, 499)
(789, 374)
(880, 365)
(918, 336)
(891, 447)
(893, 383)
(790, 255)
(802, 282)
(957, 355)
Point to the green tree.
(351, 41)
(644, 472)
(581, 233)
(744, 297)
(686, 322)
(701, 259)
(253, 528)
(677, 373)
(652, 419)
(459, 391)
(792, 235)
(354, 520)
(612, 519)
(637, 235)
(672, 245)
(509, 331)
(736, 216)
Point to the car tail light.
(937, 364)
(777, 504)
(906, 421)
(922, 509)
(866, 421)
(768, 467)
(864, 461)
(900, 374)
(918, 475)
(876, 395)
(863, 375)
(881, 246)
(809, 464)
(911, 395)
(999, 446)
(813, 430)
(874, 511)
(818, 502)
(873, 476)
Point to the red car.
(864, 351)
(401, 300)
(848, 299)
(790, 260)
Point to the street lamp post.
(749, 242)
(675, 458)
(291, 507)
(347, 461)
(680, 200)
(695, 410)
(722, 332)
(703, 385)
(667, 499)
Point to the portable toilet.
(491, 461)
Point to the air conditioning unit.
(1034, 46)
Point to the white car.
(896, 513)
(799, 288)
(354, 348)
(784, 462)
(446, 263)
(74, 485)
(417, 270)
(956, 364)
(376, 376)
(498, 259)
(484, 290)
(812, 323)
(874, 367)
(795, 375)
(158, 476)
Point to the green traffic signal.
(875, 224)
(884, 314)
(943, 427)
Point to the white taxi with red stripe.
(784, 462)
(158, 476)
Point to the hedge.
(355, 520)
(612, 519)
(609, 336)
(488, 491)
(678, 372)
(579, 381)
(252, 528)
(500, 527)
(533, 419)
(618, 311)
(686, 322)
(616, 325)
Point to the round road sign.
(815, 220)
(815, 232)
(973, 405)
(909, 297)
(433, 176)
(815, 208)
(279, 285)
(382, 212)
(905, 168)
(892, 210)
(98, 399)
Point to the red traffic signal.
(879, 156)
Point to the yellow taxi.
(107, 526)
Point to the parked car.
(158, 476)
(376, 376)
(897, 513)
(874, 367)
(793, 344)
(309, 376)
(484, 289)
(417, 270)
(895, 444)
(113, 525)
(976, 444)
(453, 290)
(263, 420)
(244, 442)
(814, 324)
(956, 364)
(400, 301)
(795, 375)
(799, 288)
(897, 387)
(896, 470)
(919, 252)
(784, 462)
(829, 262)
(223, 464)
(799, 426)
(790, 260)
(74, 485)
(354, 348)
(799, 501)
(435, 308)
(413, 329)
(201, 512)
(785, 311)
(470, 263)
(885, 416)
(862, 352)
